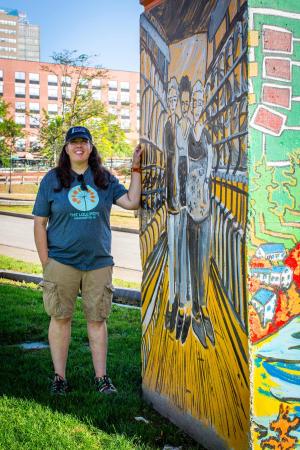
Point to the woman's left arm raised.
(132, 199)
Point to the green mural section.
(274, 222)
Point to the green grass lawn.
(34, 420)
(8, 263)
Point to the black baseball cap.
(78, 132)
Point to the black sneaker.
(104, 385)
(59, 385)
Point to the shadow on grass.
(27, 374)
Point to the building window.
(52, 108)
(112, 97)
(138, 88)
(96, 83)
(8, 49)
(1, 74)
(20, 106)
(66, 81)
(34, 121)
(20, 144)
(112, 111)
(113, 85)
(5, 31)
(96, 95)
(1, 88)
(125, 97)
(34, 144)
(66, 108)
(20, 90)
(52, 80)
(125, 124)
(52, 93)
(9, 40)
(10, 23)
(83, 82)
(20, 118)
(34, 78)
(138, 113)
(20, 77)
(125, 114)
(83, 91)
(34, 91)
(34, 107)
(138, 124)
(66, 93)
(138, 98)
(125, 86)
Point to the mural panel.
(274, 249)
(195, 197)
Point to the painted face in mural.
(185, 103)
(197, 103)
(172, 100)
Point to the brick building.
(31, 87)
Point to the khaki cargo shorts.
(62, 283)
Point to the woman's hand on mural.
(136, 158)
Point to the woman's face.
(79, 150)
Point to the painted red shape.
(277, 41)
(279, 96)
(269, 120)
(278, 68)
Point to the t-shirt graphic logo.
(83, 200)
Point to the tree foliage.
(9, 131)
(80, 108)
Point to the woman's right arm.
(40, 237)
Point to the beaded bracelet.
(136, 169)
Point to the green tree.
(10, 131)
(80, 108)
(109, 138)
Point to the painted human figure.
(171, 162)
(183, 301)
(200, 157)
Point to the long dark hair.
(65, 177)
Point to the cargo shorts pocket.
(50, 297)
(107, 300)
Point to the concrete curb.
(30, 216)
(122, 296)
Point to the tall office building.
(18, 38)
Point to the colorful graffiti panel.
(194, 213)
(273, 246)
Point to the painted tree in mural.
(262, 180)
(294, 158)
(285, 193)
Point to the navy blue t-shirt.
(78, 230)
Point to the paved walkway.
(16, 240)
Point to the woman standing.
(73, 239)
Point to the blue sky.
(107, 28)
